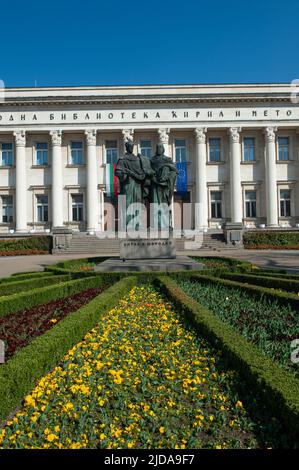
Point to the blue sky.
(91, 42)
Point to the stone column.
(271, 181)
(57, 185)
(201, 215)
(164, 139)
(21, 190)
(235, 175)
(92, 181)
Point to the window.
(216, 204)
(41, 153)
(214, 149)
(77, 207)
(283, 149)
(146, 148)
(111, 151)
(6, 154)
(76, 153)
(285, 203)
(249, 149)
(250, 204)
(42, 208)
(180, 150)
(7, 209)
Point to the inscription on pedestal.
(147, 248)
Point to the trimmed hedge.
(277, 388)
(228, 263)
(275, 239)
(29, 284)
(19, 375)
(282, 298)
(289, 285)
(38, 243)
(24, 277)
(17, 302)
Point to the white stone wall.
(228, 119)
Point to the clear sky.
(95, 42)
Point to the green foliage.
(264, 322)
(289, 285)
(25, 276)
(271, 239)
(221, 262)
(277, 388)
(22, 300)
(19, 374)
(36, 243)
(29, 284)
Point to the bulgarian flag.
(111, 180)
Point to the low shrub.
(19, 328)
(18, 376)
(32, 283)
(265, 323)
(25, 276)
(221, 262)
(289, 285)
(16, 302)
(271, 240)
(282, 298)
(277, 388)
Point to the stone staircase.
(91, 244)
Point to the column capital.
(200, 134)
(91, 136)
(128, 135)
(56, 137)
(20, 138)
(270, 133)
(234, 134)
(164, 135)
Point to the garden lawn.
(270, 326)
(19, 328)
(139, 379)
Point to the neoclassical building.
(240, 142)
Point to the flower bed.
(140, 379)
(18, 329)
(263, 321)
(26, 246)
(273, 240)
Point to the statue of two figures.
(145, 181)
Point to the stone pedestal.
(61, 239)
(141, 248)
(233, 234)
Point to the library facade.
(239, 145)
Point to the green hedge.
(29, 284)
(19, 375)
(289, 285)
(277, 388)
(227, 263)
(39, 243)
(275, 239)
(282, 298)
(17, 302)
(24, 277)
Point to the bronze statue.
(143, 180)
(134, 173)
(165, 174)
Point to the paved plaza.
(287, 259)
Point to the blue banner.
(182, 179)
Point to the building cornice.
(146, 94)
